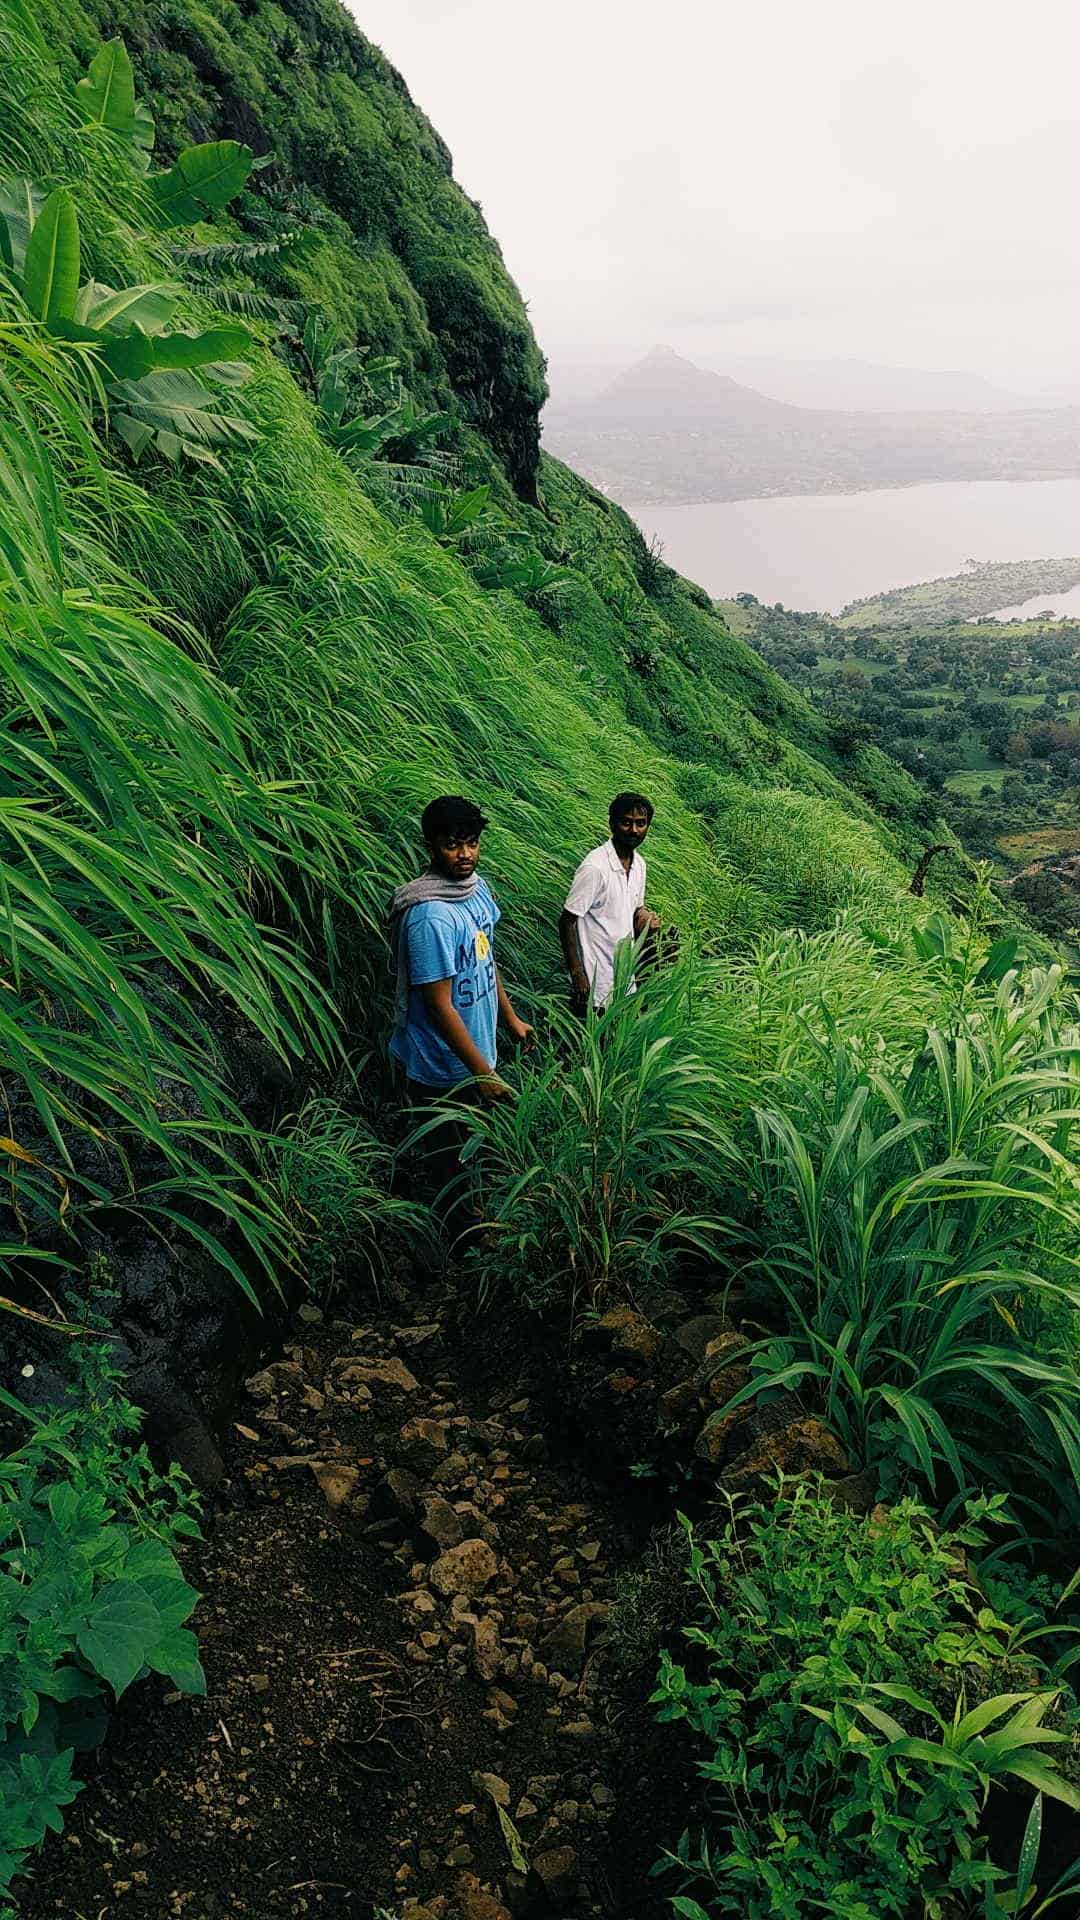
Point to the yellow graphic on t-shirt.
(483, 946)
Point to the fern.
(228, 255)
(246, 301)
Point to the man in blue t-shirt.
(450, 997)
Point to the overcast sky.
(896, 182)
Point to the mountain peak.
(664, 392)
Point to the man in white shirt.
(606, 903)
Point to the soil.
(354, 1700)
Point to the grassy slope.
(365, 661)
(407, 266)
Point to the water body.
(1059, 603)
(820, 551)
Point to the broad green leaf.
(150, 308)
(128, 356)
(63, 1502)
(118, 1632)
(878, 1718)
(176, 1655)
(209, 175)
(201, 349)
(989, 1710)
(135, 434)
(20, 203)
(142, 134)
(1000, 959)
(70, 1683)
(51, 273)
(934, 1756)
(107, 92)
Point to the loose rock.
(390, 1373)
(563, 1649)
(466, 1568)
(804, 1446)
(439, 1523)
(558, 1869)
(694, 1335)
(494, 1786)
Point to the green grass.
(972, 781)
(232, 689)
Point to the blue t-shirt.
(455, 942)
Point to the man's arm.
(575, 959)
(519, 1030)
(449, 1025)
(646, 921)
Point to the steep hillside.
(400, 259)
(328, 603)
(407, 264)
(278, 562)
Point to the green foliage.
(522, 570)
(449, 515)
(106, 95)
(805, 1619)
(611, 1157)
(146, 368)
(91, 1594)
(333, 1175)
(118, 860)
(918, 1221)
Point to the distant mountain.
(666, 430)
(864, 387)
(664, 392)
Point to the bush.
(917, 1219)
(333, 1175)
(91, 1595)
(808, 1623)
(614, 1156)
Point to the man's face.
(628, 830)
(455, 854)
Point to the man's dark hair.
(629, 803)
(451, 813)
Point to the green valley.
(985, 714)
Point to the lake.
(1068, 602)
(819, 551)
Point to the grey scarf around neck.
(427, 886)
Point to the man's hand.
(646, 921)
(579, 993)
(522, 1034)
(492, 1088)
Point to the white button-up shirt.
(605, 898)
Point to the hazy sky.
(893, 181)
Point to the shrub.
(333, 1175)
(917, 1225)
(807, 1624)
(91, 1595)
(613, 1157)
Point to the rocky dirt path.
(410, 1705)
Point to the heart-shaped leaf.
(119, 1630)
